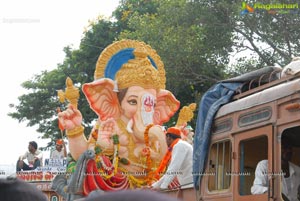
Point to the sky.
(33, 34)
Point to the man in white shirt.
(33, 156)
(290, 177)
(60, 151)
(180, 164)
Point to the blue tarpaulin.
(220, 94)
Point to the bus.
(264, 108)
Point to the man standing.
(33, 156)
(60, 151)
(177, 162)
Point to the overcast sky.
(33, 34)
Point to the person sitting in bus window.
(290, 174)
(33, 156)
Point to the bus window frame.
(245, 135)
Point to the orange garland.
(95, 134)
(164, 163)
(147, 153)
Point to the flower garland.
(133, 181)
(146, 150)
(116, 143)
(147, 153)
(101, 165)
(95, 134)
(164, 163)
(105, 171)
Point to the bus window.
(219, 166)
(290, 160)
(251, 152)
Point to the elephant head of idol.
(129, 86)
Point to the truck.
(264, 106)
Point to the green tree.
(128, 8)
(267, 36)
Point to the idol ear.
(165, 108)
(102, 98)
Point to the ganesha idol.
(129, 97)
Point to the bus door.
(250, 148)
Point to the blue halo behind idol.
(117, 60)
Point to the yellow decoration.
(138, 71)
(61, 95)
(75, 132)
(116, 153)
(146, 138)
(133, 181)
(104, 169)
(131, 145)
(186, 114)
(71, 93)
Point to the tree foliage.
(270, 36)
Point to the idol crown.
(139, 72)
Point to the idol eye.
(132, 102)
